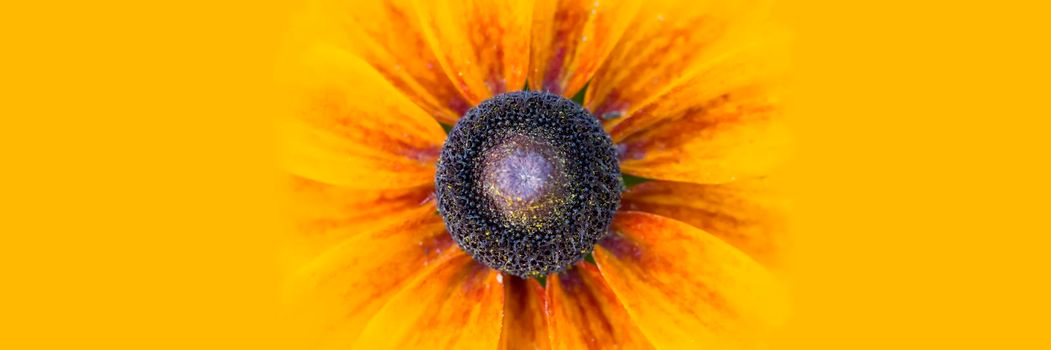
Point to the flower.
(681, 94)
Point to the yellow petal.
(525, 324)
(737, 136)
(668, 41)
(352, 128)
(686, 289)
(571, 38)
(458, 305)
(585, 314)
(322, 215)
(332, 298)
(718, 114)
(749, 214)
(388, 35)
(752, 71)
(483, 45)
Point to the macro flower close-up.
(548, 174)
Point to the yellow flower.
(518, 232)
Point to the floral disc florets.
(528, 182)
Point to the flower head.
(515, 228)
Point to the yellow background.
(138, 201)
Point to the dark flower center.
(528, 182)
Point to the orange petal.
(525, 325)
(669, 40)
(686, 289)
(719, 122)
(352, 128)
(571, 38)
(323, 215)
(585, 314)
(458, 305)
(388, 35)
(748, 214)
(332, 298)
(736, 136)
(752, 72)
(483, 45)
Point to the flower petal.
(458, 305)
(748, 214)
(483, 45)
(669, 41)
(686, 289)
(323, 215)
(752, 71)
(585, 314)
(525, 324)
(733, 137)
(332, 298)
(388, 35)
(352, 128)
(718, 121)
(571, 38)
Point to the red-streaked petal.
(332, 298)
(352, 128)
(458, 305)
(571, 38)
(686, 289)
(585, 314)
(752, 72)
(388, 35)
(733, 138)
(322, 215)
(483, 45)
(525, 324)
(749, 214)
(668, 41)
